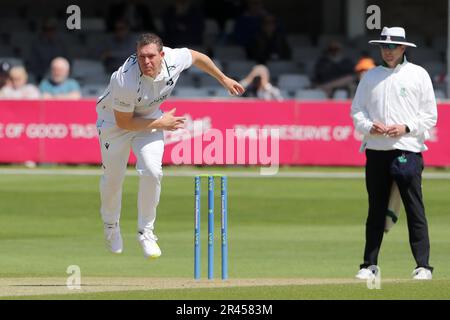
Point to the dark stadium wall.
(305, 16)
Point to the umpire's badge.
(403, 92)
(170, 82)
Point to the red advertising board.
(217, 132)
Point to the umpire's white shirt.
(131, 91)
(403, 95)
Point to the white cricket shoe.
(149, 245)
(113, 237)
(422, 274)
(368, 273)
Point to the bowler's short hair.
(149, 38)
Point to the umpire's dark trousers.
(378, 184)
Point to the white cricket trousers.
(148, 148)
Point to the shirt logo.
(403, 92)
(158, 100)
(169, 83)
(121, 103)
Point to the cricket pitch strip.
(49, 286)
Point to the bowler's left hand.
(233, 87)
(396, 130)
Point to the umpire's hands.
(170, 122)
(378, 129)
(396, 130)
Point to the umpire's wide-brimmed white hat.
(394, 35)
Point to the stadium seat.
(221, 92)
(96, 42)
(287, 94)
(420, 55)
(6, 51)
(32, 79)
(293, 81)
(97, 79)
(12, 61)
(352, 53)
(211, 31)
(340, 94)
(14, 23)
(94, 24)
(187, 80)
(229, 53)
(417, 39)
(92, 90)
(191, 92)
(440, 94)
(82, 69)
(439, 43)
(159, 24)
(205, 80)
(325, 39)
(308, 68)
(276, 68)
(240, 68)
(298, 40)
(434, 68)
(310, 94)
(305, 54)
(361, 42)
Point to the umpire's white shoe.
(149, 245)
(422, 274)
(368, 273)
(113, 237)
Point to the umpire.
(394, 108)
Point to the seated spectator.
(183, 24)
(270, 43)
(18, 88)
(59, 85)
(4, 74)
(119, 48)
(45, 48)
(257, 85)
(333, 70)
(137, 14)
(363, 65)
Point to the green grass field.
(278, 228)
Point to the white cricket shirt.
(403, 95)
(131, 91)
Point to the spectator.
(135, 11)
(183, 24)
(45, 48)
(4, 74)
(364, 64)
(269, 44)
(59, 85)
(119, 48)
(333, 70)
(18, 88)
(249, 23)
(257, 84)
